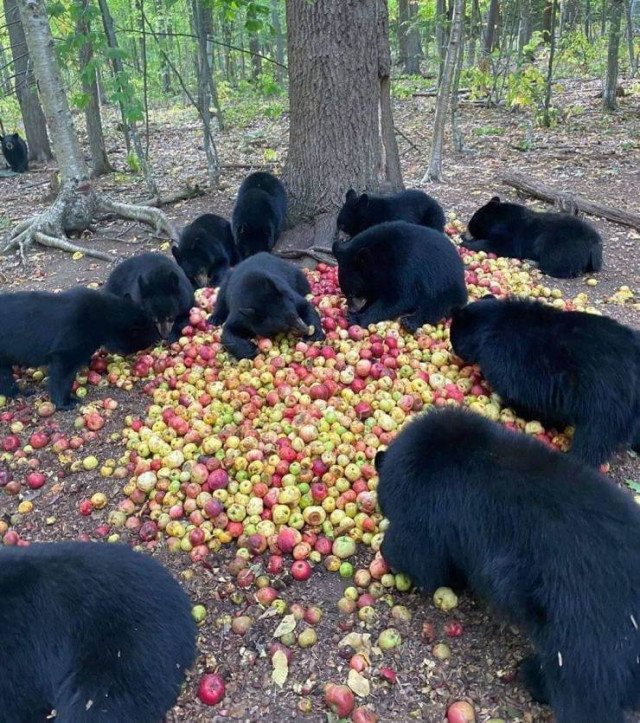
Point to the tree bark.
(256, 60)
(441, 35)
(474, 32)
(633, 61)
(546, 21)
(524, 28)
(408, 38)
(609, 100)
(99, 161)
(277, 29)
(493, 20)
(35, 125)
(434, 173)
(546, 118)
(335, 92)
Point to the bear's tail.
(595, 258)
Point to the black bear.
(543, 539)
(206, 250)
(562, 367)
(15, 151)
(262, 297)
(361, 212)
(563, 246)
(159, 286)
(96, 632)
(62, 331)
(259, 215)
(398, 269)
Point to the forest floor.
(591, 154)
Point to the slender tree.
(78, 202)
(277, 29)
(609, 100)
(434, 172)
(35, 126)
(335, 79)
(408, 38)
(546, 118)
(493, 21)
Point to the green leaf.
(633, 484)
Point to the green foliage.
(405, 87)
(633, 485)
(489, 131)
(578, 55)
(133, 162)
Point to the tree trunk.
(77, 203)
(587, 20)
(633, 61)
(546, 21)
(335, 93)
(456, 133)
(99, 161)
(434, 173)
(524, 28)
(441, 35)
(408, 38)
(35, 126)
(609, 101)
(546, 118)
(256, 60)
(493, 20)
(474, 32)
(277, 29)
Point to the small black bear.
(62, 331)
(562, 367)
(547, 542)
(259, 215)
(96, 632)
(563, 246)
(206, 250)
(361, 212)
(262, 297)
(159, 286)
(398, 269)
(16, 152)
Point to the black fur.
(15, 151)
(398, 269)
(62, 331)
(159, 286)
(262, 297)
(361, 212)
(563, 367)
(544, 540)
(259, 214)
(206, 250)
(564, 246)
(95, 631)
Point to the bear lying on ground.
(544, 540)
(62, 331)
(262, 297)
(159, 286)
(259, 214)
(563, 246)
(361, 212)
(16, 152)
(398, 269)
(95, 632)
(562, 367)
(206, 250)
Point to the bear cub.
(206, 250)
(398, 269)
(62, 331)
(262, 297)
(15, 152)
(259, 214)
(159, 286)
(563, 246)
(107, 634)
(361, 212)
(563, 367)
(547, 542)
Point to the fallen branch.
(313, 253)
(570, 201)
(434, 92)
(183, 195)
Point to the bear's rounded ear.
(378, 459)
(495, 199)
(351, 195)
(173, 281)
(142, 285)
(363, 201)
(363, 257)
(128, 297)
(335, 247)
(486, 297)
(176, 253)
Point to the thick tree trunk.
(609, 100)
(408, 38)
(491, 37)
(334, 80)
(277, 29)
(524, 28)
(434, 173)
(35, 126)
(256, 60)
(99, 161)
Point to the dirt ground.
(593, 155)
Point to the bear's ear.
(173, 282)
(143, 286)
(363, 257)
(351, 196)
(495, 199)
(128, 297)
(378, 459)
(335, 247)
(176, 253)
(486, 297)
(363, 201)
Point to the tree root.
(313, 253)
(151, 216)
